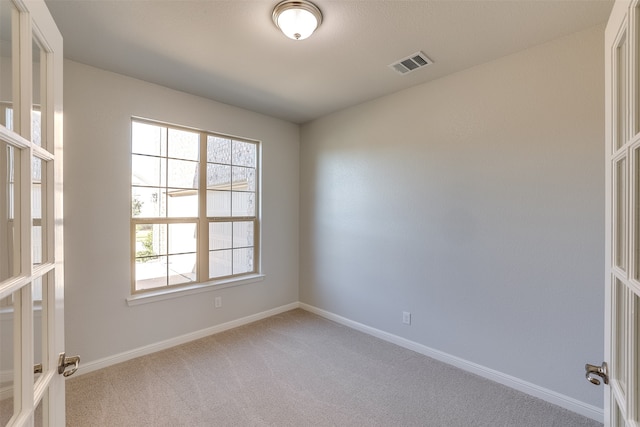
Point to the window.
(194, 205)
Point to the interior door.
(31, 256)
(622, 274)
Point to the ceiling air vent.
(411, 62)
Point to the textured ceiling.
(230, 51)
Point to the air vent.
(411, 63)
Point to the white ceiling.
(230, 50)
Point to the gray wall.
(98, 110)
(476, 202)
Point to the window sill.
(165, 294)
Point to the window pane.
(244, 154)
(151, 272)
(148, 139)
(183, 144)
(182, 268)
(242, 234)
(220, 235)
(220, 263)
(242, 260)
(182, 174)
(244, 179)
(218, 203)
(148, 171)
(182, 238)
(243, 204)
(147, 202)
(150, 241)
(182, 203)
(151, 260)
(10, 211)
(218, 177)
(218, 150)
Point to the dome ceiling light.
(297, 19)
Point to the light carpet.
(298, 369)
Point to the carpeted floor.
(298, 369)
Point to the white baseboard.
(172, 342)
(547, 395)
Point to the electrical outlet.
(218, 302)
(406, 317)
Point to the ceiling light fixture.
(297, 19)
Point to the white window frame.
(202, 281)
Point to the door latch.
(64, 362)
(601, 371)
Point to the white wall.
(98, 110)
(476, 202)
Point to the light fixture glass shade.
(297, 19)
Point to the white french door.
(622, 274)
(31, 256)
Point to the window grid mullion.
(202, 256)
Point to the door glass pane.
(38, 91)
(616, 414)
(7, 11)
(636, 355)
(620, 214)
(40, 414)
(621, 93)
(636, 216)
(39, 210)
(636, 70)
(7, 329)
(620, 335)
(39, 321)
(9, 211)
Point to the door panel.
(31, 266)
(622, 323)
